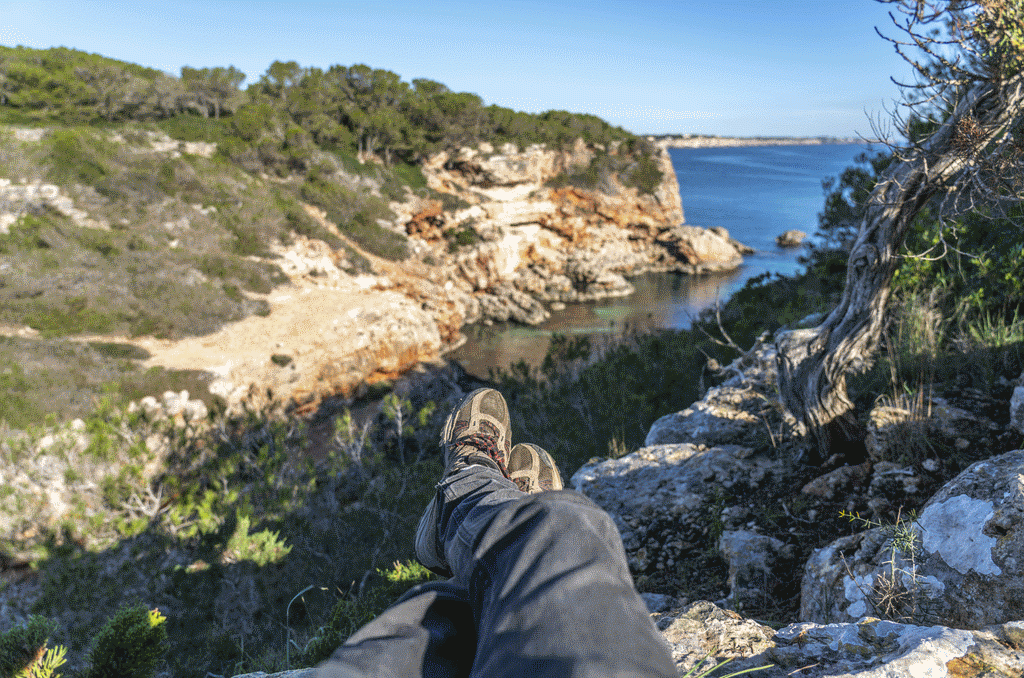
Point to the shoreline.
(699, 141)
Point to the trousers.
(540, 588)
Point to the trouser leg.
(545, 579)
(548, 580)
(429, 632)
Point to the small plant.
(262, 547)
(896, 593)
(352, 612)
(130, 645)
(24, 652)
(700, 671)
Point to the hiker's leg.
(429, 632)
(548, 581)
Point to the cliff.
(563, 242)
(496, 235)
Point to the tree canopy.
(359, 109)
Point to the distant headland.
(710, 141)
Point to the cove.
(755, 192)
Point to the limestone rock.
(656, 493)
(1017, 409)
(966, 571)
(756, 566)
(559, 244)
(729, 413)
(791, 238)
(701, 250)
(703, 628)
(874, 648)
(838, 482)
(871, 648)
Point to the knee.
(569, 512)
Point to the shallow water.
(756, 193)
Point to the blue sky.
(729, 67)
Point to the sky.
(724, 67)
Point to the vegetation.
(961, 157)
(242, 535)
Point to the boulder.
(958, 564)
(755, 563)
(700, 250)
(657, 495)
(703, 628)
(871, 648)
(791, 238)
(729, 413)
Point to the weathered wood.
(813, 363)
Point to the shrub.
(131, 645)
(78, 156)
(645, 176)
(24, 652)
(356, 215)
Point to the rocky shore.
(528, 245)
(500, 235)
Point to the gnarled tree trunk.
(813, 363)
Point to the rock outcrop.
(958, 564)
(949, 582)
(791, 238)
(557, 244)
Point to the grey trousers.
(540, 588)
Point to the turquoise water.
(756, 193)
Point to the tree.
(970, 91)
(212, 88)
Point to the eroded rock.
(958, 564)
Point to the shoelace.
(482, 443)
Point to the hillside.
(188, 206)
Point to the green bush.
(131, 645)
(356, 215)
(645, 176)
(25, 646)
(75, 316)
(78, 156)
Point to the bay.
(755, 192)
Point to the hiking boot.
(478, 427)
(476, 432)
(532, 469)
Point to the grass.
(60, 380)
(242, 520)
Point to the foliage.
(353, 611)
(699, 669)
(24, 652)
(356, 215)
(898, 592)
(130, 645)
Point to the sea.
(755, 192)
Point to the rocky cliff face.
(535, 241)
(504, 234)
(506, 245)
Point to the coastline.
(700, 141)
